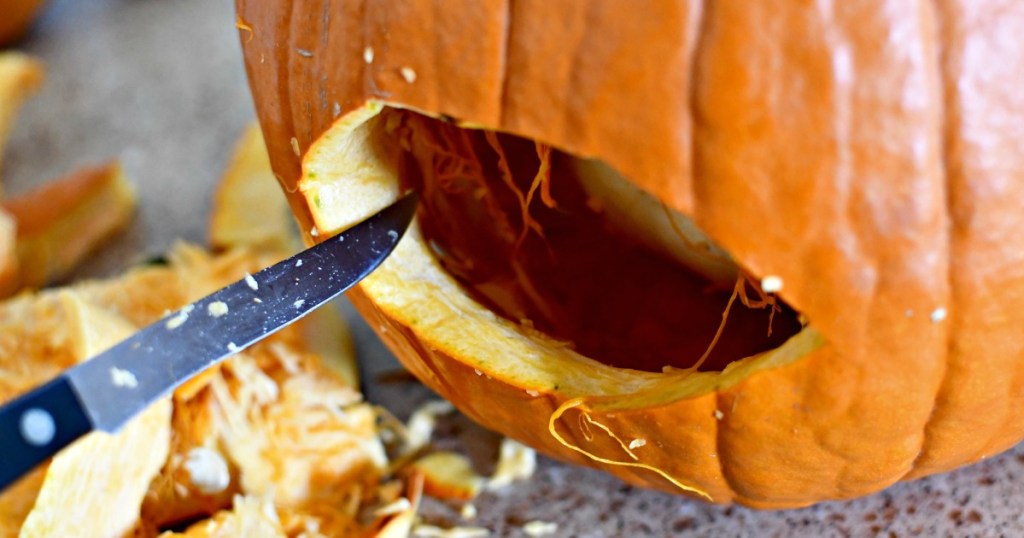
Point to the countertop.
(160, 84)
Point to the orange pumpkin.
(856, 163)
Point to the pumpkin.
(851, 168)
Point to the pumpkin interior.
(515, 223)
(524, 230)
(353, 170)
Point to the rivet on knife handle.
(37, 425)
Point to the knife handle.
(36, 425)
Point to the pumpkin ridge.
(700, 30)
(992, 447)
(722, 403)
(503, 80)
(946, 132)
(722, 400)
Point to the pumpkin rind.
(805, 132)
(871, 145)
(979, 409)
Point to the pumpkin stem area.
(514, 222)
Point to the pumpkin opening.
(508, 374)
(543, 239)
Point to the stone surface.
(160, 84)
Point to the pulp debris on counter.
(275, 441)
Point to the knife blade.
(106, 391)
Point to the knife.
(106, 391)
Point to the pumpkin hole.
(543, 238)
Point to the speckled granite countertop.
(161, 84)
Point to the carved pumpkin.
(853, 167)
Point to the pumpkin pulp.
(510, 219)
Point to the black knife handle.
(36, 425)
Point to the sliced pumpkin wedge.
(448, 475)
(248, 206)
(60, 223)
(96, 486)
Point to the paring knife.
(106, 391)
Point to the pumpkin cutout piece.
(846, 175)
